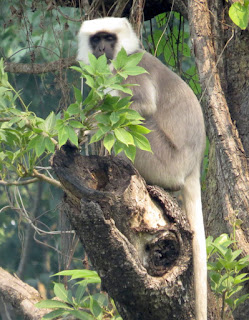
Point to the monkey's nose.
(101, 48)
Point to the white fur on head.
(120, 26)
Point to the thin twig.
(66, 16)
(166, 27)
(18, 183)
(43, 177)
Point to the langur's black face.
(103, 43)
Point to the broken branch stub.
(136, 236)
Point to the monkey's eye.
(109, 38)
(95, 39)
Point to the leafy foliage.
(82, 305)
(25, 138)
(225, 271)
(239, 13)
(170, 42)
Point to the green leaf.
(232, 255)
(228, 265)
(92, 60)
(134, 71)
(103, 118)
(240, 300)
(73, 109)
(131, 114)
(22, 123)
(241, 278)
(32, 143)
(49, 122)
(49, 145)
(239, 14)
(230, 302)
(89, 280)
(62, 293)
(78, 69)
(100, 133)
(89, 69)
(124, 136)
(114, 117)
(72, 136)
(242, 263)
(102, 299)
(223, 240)
(62, 136)
(234, 290)
(97, 136)
(76, 124)
(118, 147)
(95, 307)
(109, 142)
(60, 124)
(102, 68)
(77, 94)
(81, 315)
(123, 103)
(16, 112)
(40, 146)
(54, 314)
(121, 88)
(139, 129)
(121, 59)
(89, 81)
(141, 142)
(130, 152)
(14, 120)
(134, 59)
(83, 273)
(215, 277)
(52, 304)
(80, 293)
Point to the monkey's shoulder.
(153, 64)
(160, 73)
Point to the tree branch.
(18, 183)
(36, 68)
(45, 178)
(21, 296)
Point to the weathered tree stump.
(136, 236)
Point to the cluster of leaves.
(239, 13)
(82, 305)
(119, 126)
(24, 137)
(225, 271)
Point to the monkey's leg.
(193, 207)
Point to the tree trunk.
(226, 198)
(137, 237)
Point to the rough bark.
(226, 195)
(21, 296)
(137, 238)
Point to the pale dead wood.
(21, 296)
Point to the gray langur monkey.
(174, 116)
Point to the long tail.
(193, 207)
